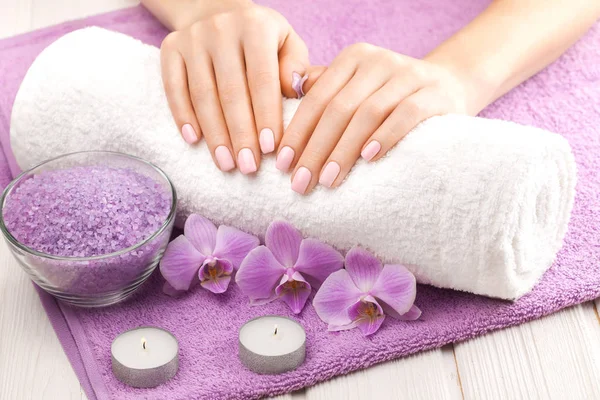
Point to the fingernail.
(246, 161)
(297, 83)
(224, 159)
(284, 159)
(371, 150)
(189, 134)
(331, 171)
(301, 180)
(266, 140)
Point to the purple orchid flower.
(363, 293)
(204, 253)
(288, 267)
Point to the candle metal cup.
(145, 377)
(272, 364)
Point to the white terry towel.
(466, 203)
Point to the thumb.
(293, 61)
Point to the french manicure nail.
(246, 161)
(284, 159)
(301, 180)
(266, 140)
(224, 159)
(189, 134)
(371, 150)
(331, 171)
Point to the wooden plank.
(554, 357)
(33, 364)
(45, 13)
(427, 375)
(15, 17)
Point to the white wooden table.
(555, 357)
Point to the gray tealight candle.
(145, 357)
(272, 344)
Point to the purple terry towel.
(565, 98)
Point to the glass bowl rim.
(34, 252)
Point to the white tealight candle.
(272, 344)
(145, 357)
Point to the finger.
(234, 95)
(369, 116)
(293, 58)
(203, 90)
(262, 71)
(310, 111)
(313, 73)
(174, 77)
(332, 124)
(413, 110)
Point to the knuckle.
(230, 93)
(360, 48)
(373, 109)
(339, 107)
(413, 109)
(221, 22)
(170, 41)
(201, 88)
(254, 14)
(263, 80)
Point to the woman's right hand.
(224, 75)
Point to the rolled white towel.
(466, 203)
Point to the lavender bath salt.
(86, 211)
(89, 211)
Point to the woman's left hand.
(362, 105)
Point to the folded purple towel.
(559, 99)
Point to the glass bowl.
(98, 280)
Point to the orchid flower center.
(368, 310)
(292, 285)
(213, 270)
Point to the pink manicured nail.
(301, 180)
(331, 171)
(266, 140)
(246, 161)
(189, 134)
(284, 159)
(223, 156)
(371, 150)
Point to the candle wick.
(275, 333)
(144, 343)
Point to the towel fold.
(466, 203)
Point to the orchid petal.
(335, 296)
(218, 284)
(317, 260)
(367, 314)
(294, 291)
(363, 267)
(337, 328)
(284, 241)
(201, 233)
(413, 314)
(259, 273)
(396, 287)
(261, 302)
(171, 291)
(234, 245)
(180, 263)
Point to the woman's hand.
(362, 105)
(224, 75)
